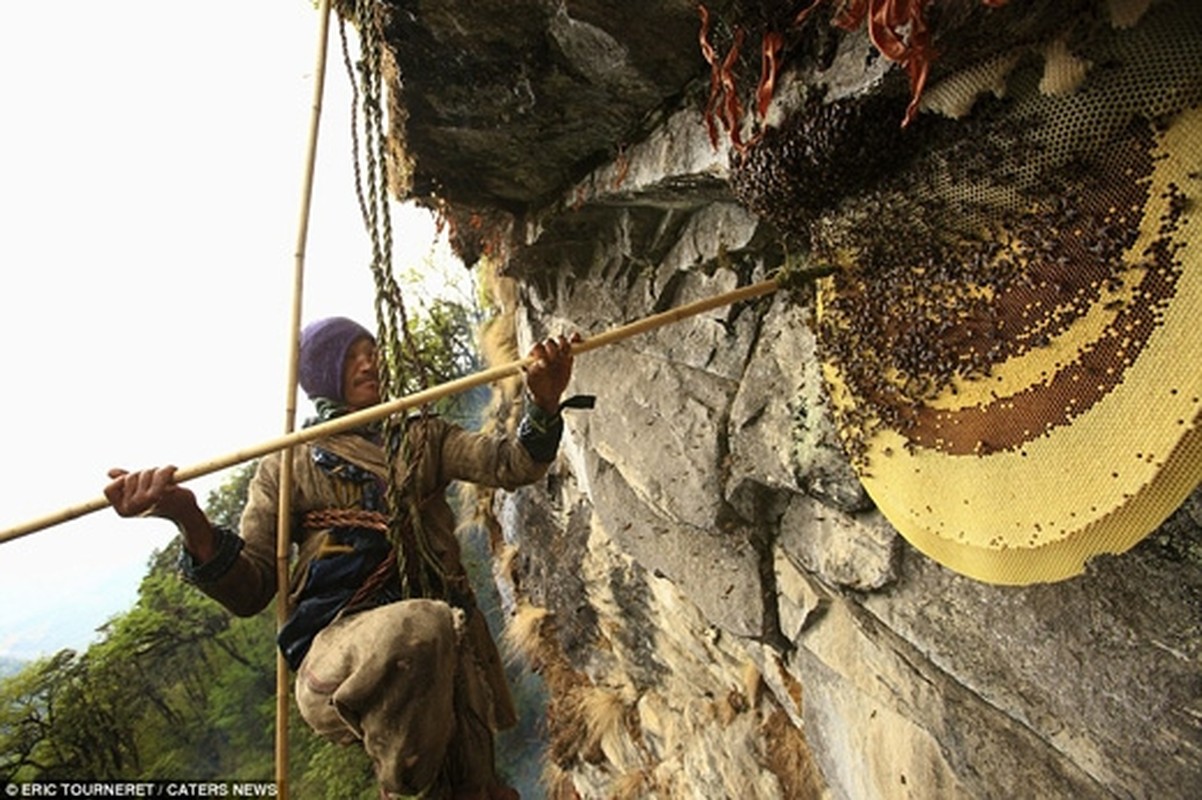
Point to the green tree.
(439, 349)
(225, 503)
(29, 705)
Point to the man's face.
(360, 381)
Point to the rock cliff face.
(715, 603)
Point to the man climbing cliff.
(386, 641)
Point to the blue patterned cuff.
(539, 432)
(229, 545)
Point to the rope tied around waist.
(398, 561)
(320, 519)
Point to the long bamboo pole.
(433, 394)
(283, 533)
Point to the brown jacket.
(445, 453)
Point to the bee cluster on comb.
(1008, 336)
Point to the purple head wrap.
(323, 348)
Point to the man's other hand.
(149, 493)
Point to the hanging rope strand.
(356, 155)
(395, 345)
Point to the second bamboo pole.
(283, 532)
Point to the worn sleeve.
(499, 461)
(242, 575)
(229, 547)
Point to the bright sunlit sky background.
(151, 164)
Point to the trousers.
(402, 680)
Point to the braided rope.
(393, 339)
(345, 518)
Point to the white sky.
(151, 161)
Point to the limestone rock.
(856, 552)
(668, 411)
(1103, 668)
(718, 571)
(884, 723)
(781, 434)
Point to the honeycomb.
(1011, 337)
